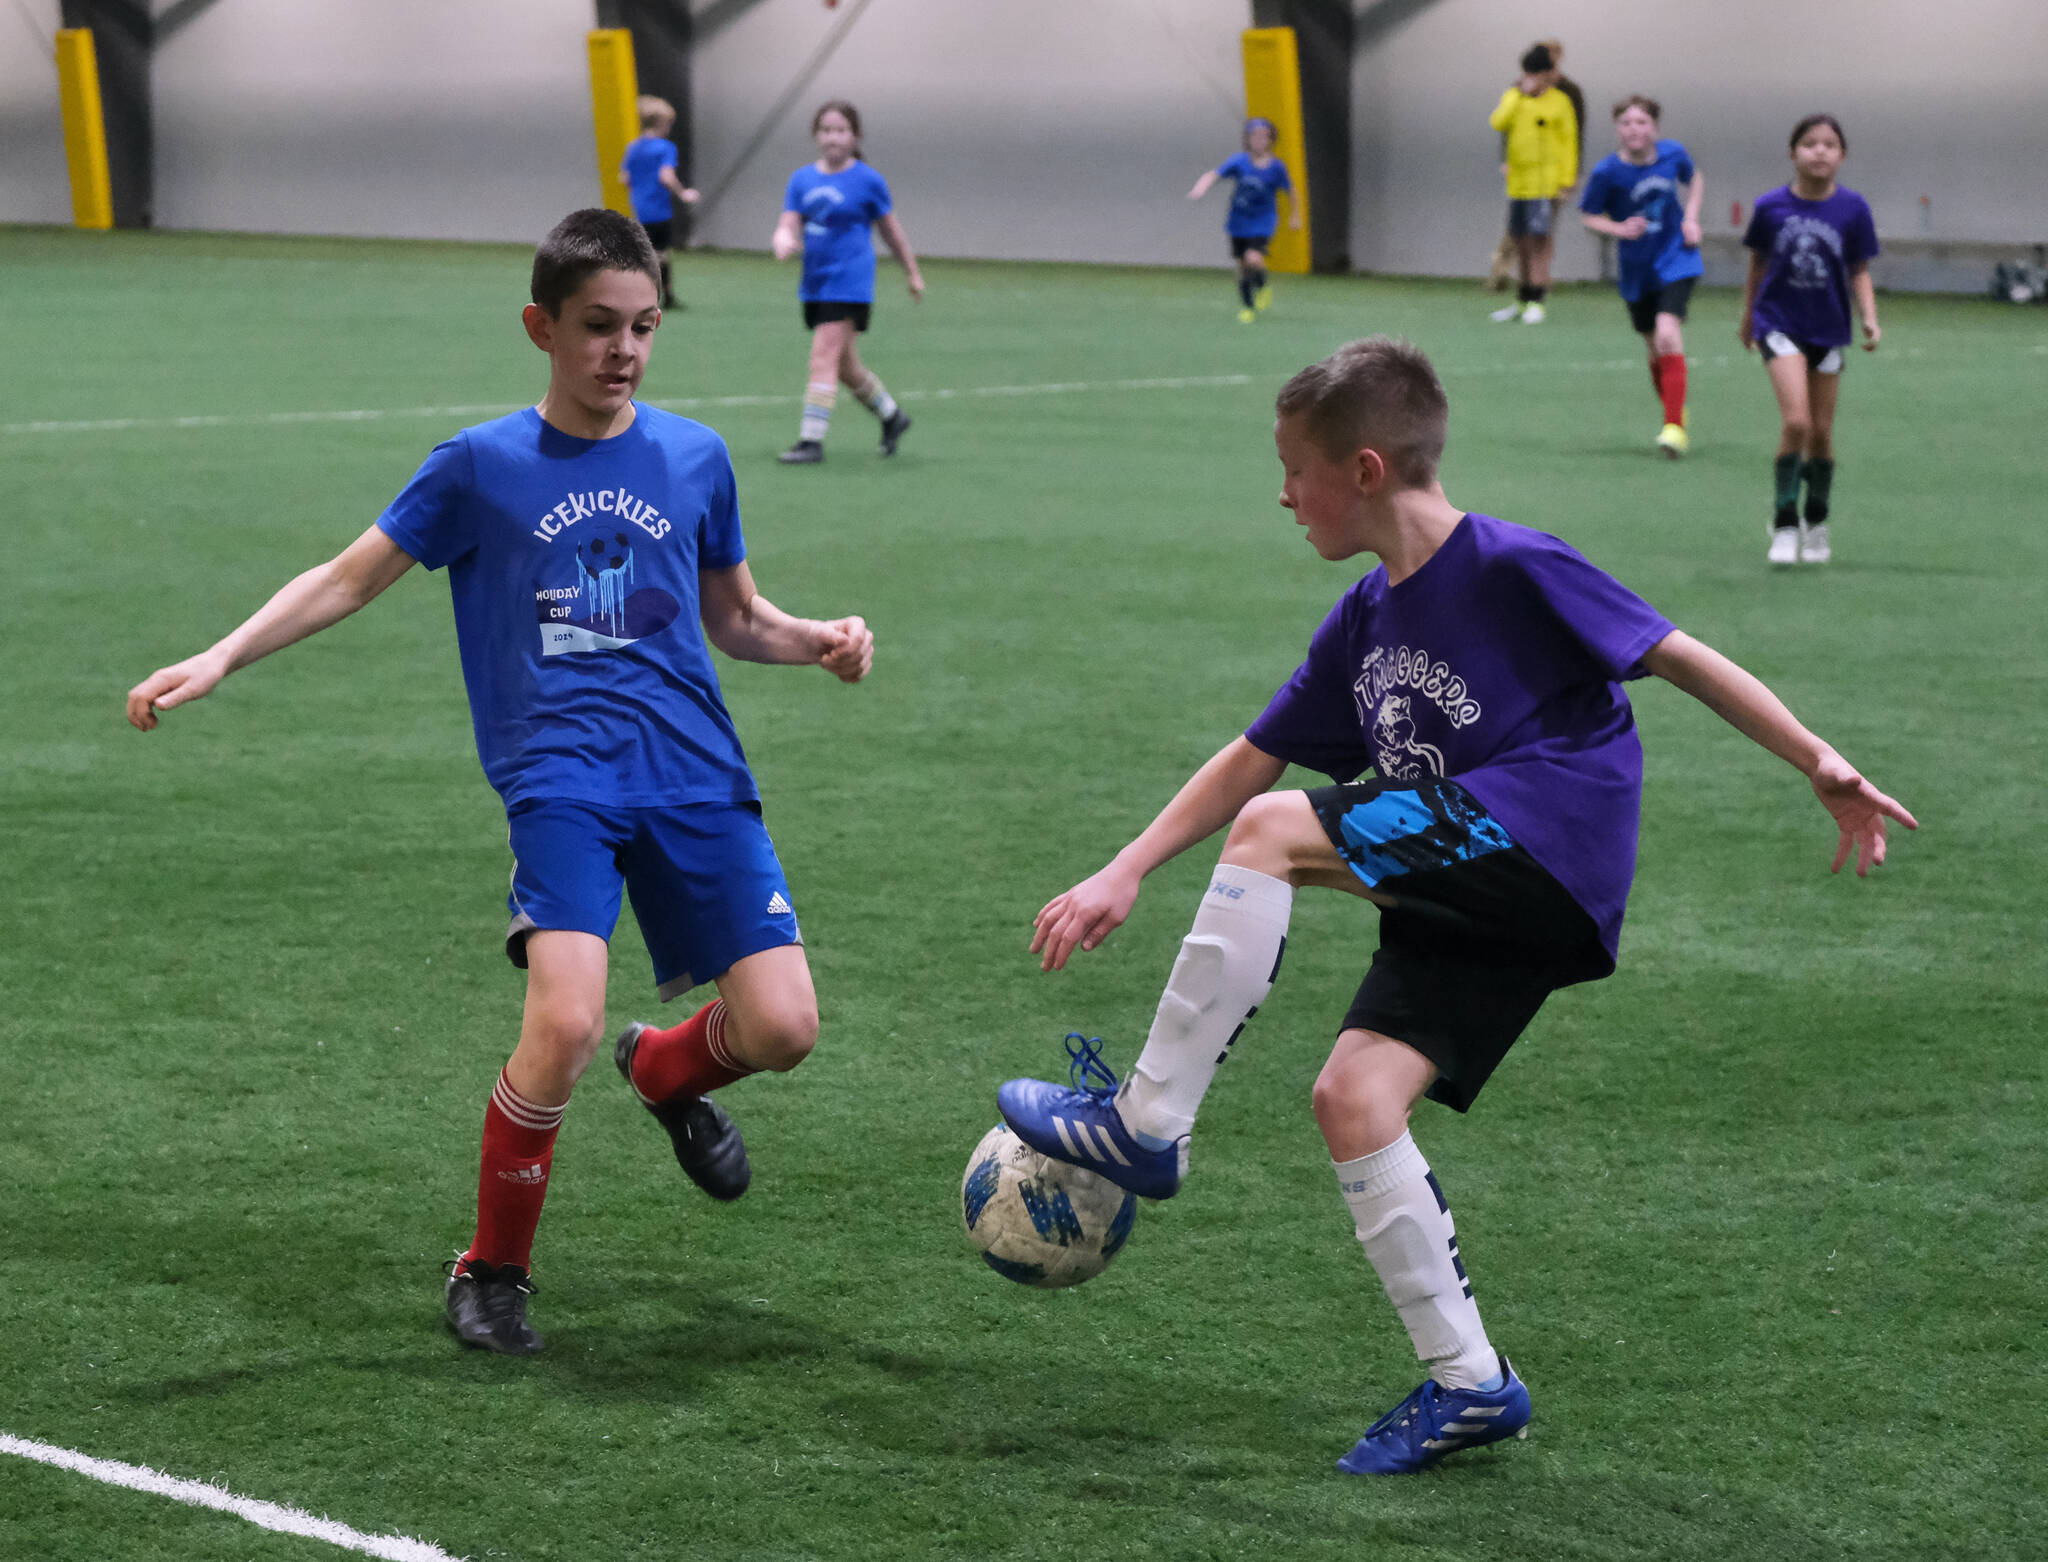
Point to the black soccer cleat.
(805, 452)
(894, 428)
(487, 1307)
(708, 1144)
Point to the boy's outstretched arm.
(1203, 185)
(324, 595)
(1096, 907)
(1741, 699)
(749, 628)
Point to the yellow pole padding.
(85, 129)
(1272, 90)
(615, 110)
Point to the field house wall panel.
(34, 184)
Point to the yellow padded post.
(614, 109)
(1272, 90)
(85, 128)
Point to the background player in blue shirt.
(584, 539)
(649, 168)
(828, 210)
(1477, 673)
(1260, 179)
(1647, 197)
(1810, 247)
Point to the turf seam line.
(200, 1494)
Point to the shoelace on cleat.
(1085, 1069)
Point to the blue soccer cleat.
(1435, 1421)
(1079, 1124)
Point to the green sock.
(1820, 478)
(1785, 471)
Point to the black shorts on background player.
(824, 311)
(1673, 298)
(1241, 247)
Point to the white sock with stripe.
(1405, 1227)
(818, 400)
(1225, 969)
(873, 395)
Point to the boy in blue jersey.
(583, 539)
(1647, 197)
(649, 169)
(1478, 672)
(830, 210)
(1259, 179)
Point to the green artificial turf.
(1759, 1218)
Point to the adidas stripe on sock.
(1404, 1224)
(512, 1179)
(1226, 967)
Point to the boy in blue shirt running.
(1647, 196)
(582, 537)
(1259, 179)
(649, 169)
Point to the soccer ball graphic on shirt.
(606, 552)
(1039, 1221)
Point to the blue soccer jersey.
(1620, 189)
(838, 210)
(645, 159)
(1255, 197)
(573, 565)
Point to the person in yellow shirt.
(1542, 153)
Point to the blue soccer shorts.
(707, 888)
(1478, 933)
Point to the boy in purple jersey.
(1811, 243)
(584, 539)
(1478, 672)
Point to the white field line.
(1452, 372)
(198, 1494)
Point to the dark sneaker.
(1435, 1421)
(894, 429)
(487, 1307)
(708, 1144)
(805, 452)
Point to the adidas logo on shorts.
(778, 906)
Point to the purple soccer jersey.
(1808, 250)
(1497, 664)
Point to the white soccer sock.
(1406, 1229)
(872, 394)
(1226, 967)
(818, 401)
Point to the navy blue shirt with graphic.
(573, 565)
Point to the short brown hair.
(1649, 106)
(1382, 393)
(581, 245)
(655, 111)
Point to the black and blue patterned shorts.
(1474, 932)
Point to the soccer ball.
(1039, 1221)
(606, 552)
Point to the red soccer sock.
(1671, 386)
(687, 1059)
(519, 1150)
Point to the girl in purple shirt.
(1810, 244)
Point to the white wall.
(34, 184)
(1941, 100)
(463, 119)
(1030, 129)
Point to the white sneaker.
(1813, 543)
(1533, 315)
(1503, 316)
(1784, 545)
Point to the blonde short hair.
(655, 112)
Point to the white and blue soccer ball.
(1039, 1221)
